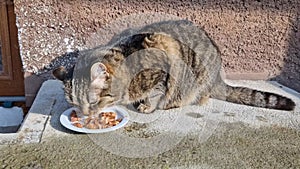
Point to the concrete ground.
(216, 135)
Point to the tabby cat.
(160, 66)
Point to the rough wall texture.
(258, 39)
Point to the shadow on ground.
(290, 74)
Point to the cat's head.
(87, 86)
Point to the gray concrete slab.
(42, 121)
(216, 135)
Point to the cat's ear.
(97, 69)
(60, 73)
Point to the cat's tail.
(246, 96)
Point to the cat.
(163, 65)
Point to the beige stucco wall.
(258, 39)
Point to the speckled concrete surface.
(216, 135)
(260, 38)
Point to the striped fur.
(256, 98)
(161, 66)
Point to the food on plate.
(75, 120)
(101, 121)
(74, 117)
(77, 124)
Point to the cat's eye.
(94, 102)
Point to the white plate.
(65, 120)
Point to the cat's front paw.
(145, 108)
(203, 100)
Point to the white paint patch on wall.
(20, 31)
(69, 42)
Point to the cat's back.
(194, 38)
(199, 51)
